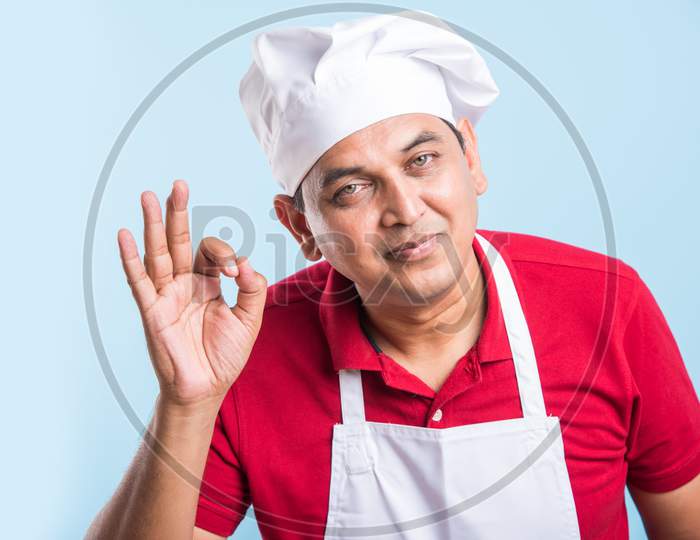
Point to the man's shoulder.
(524, 248)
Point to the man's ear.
(296, 224)
(471, 152)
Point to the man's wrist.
(186, 418)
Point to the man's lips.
(394, 251)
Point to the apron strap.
(527, 375)
(351, 398)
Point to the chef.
(424, 378)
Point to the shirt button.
(437, 416)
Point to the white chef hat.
(308, 87)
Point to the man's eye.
(423, 162)
(346, 191)
(349, 189)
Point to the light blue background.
(73, 72)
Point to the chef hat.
(308, 87)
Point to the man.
(428, 379)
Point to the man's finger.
(159, 265)
(177, 229)
(141, 285)
(213, 257)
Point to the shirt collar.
(340, 306)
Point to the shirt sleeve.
(663, 450)
(224, 496)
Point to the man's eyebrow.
(333, 175)
(423, 136)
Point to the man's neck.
(437, 334)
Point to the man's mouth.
(413, 249)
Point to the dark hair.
(298, 199)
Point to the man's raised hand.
(198, 345)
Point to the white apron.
(491, 480)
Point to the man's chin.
(425, 287)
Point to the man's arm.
(198, 346)
(153, 500)
(672, 515)
(663, 446)
(201, 534)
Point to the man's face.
(409, 178)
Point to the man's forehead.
(388, 130)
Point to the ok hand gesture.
(198, 345)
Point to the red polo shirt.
(608, 363)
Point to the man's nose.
(403, 203)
